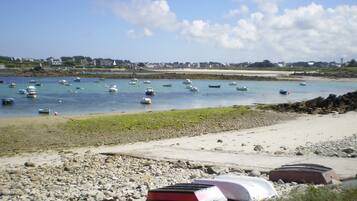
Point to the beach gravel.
(103, 177)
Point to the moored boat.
(32, 81)
(12, 85)
(244, 88)
(38, 84)
(150, 91)
(1, 81)
(8, 101)
(214, 86)
(302, 83)
(283, 92)
(145, 101)
(233, 84)
(62, 82)
(78, 79)
(22, 91)
(147, 82)
(31, 94)
(187, 81)
(167, 85)
(44, 111)
(113, 88)
(194, 89)
(188, 86)
(133, 83)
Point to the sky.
(181, 30)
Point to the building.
(54, 61)
(103, 62)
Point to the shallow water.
(95, 98)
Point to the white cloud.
(306, 32)
(241, 11)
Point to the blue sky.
(199, 30)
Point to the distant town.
(88, 62)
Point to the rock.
(254, 173)
(278, 153)
(335, 182)
(219, 141)
(348, 150)
(317, 152)
(29, 164)
(258, 148)
(243, 145)
(299, 153)
(215, 170)
(280, 181)
(99, 196)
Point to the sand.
(226, 147)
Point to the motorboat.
(63, 82)
(242, 187)
(302, 83)
(31, 94)
(113, 88)
(1, 81)
(147, 82)
(12, 85)
(283, 92)
(233, 84)
(149, 91)
(188, 86)
(78, 79)
(187, 81)
(22, 91)
(32, 81)
(244, 88)
(133, 82)
(38, 84)
(31, 89)
(194, 89)
(167, 85)
(8, 101)
(214, 86)
(44, 111)
(145, 101)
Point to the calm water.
(95, 98)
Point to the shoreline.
(208, 74)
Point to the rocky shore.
(333, 103)
(100, 177)
(346, 148)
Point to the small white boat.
(233, 84)
(62, 82)
(194, 89)
(134, 80)
(31, 89)
(188, 86)
(244, 88)
(302, 84)
(146, 101)
(147, 82)
(44, 111)
(242, 187)
(133, 83)
(32, 81)
(113, 88)
(22, 91)
(78, 79)
(12, 85)
(187, 81)
(150, 91)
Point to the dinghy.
(242, 187)
(145, 101)
(8, 101)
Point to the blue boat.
(7, 101)
(283, 92)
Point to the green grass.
(322, 194)
(175, 120)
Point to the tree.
(352, 63)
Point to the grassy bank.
(43, 133)
(322, 194)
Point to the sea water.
(93, 97)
